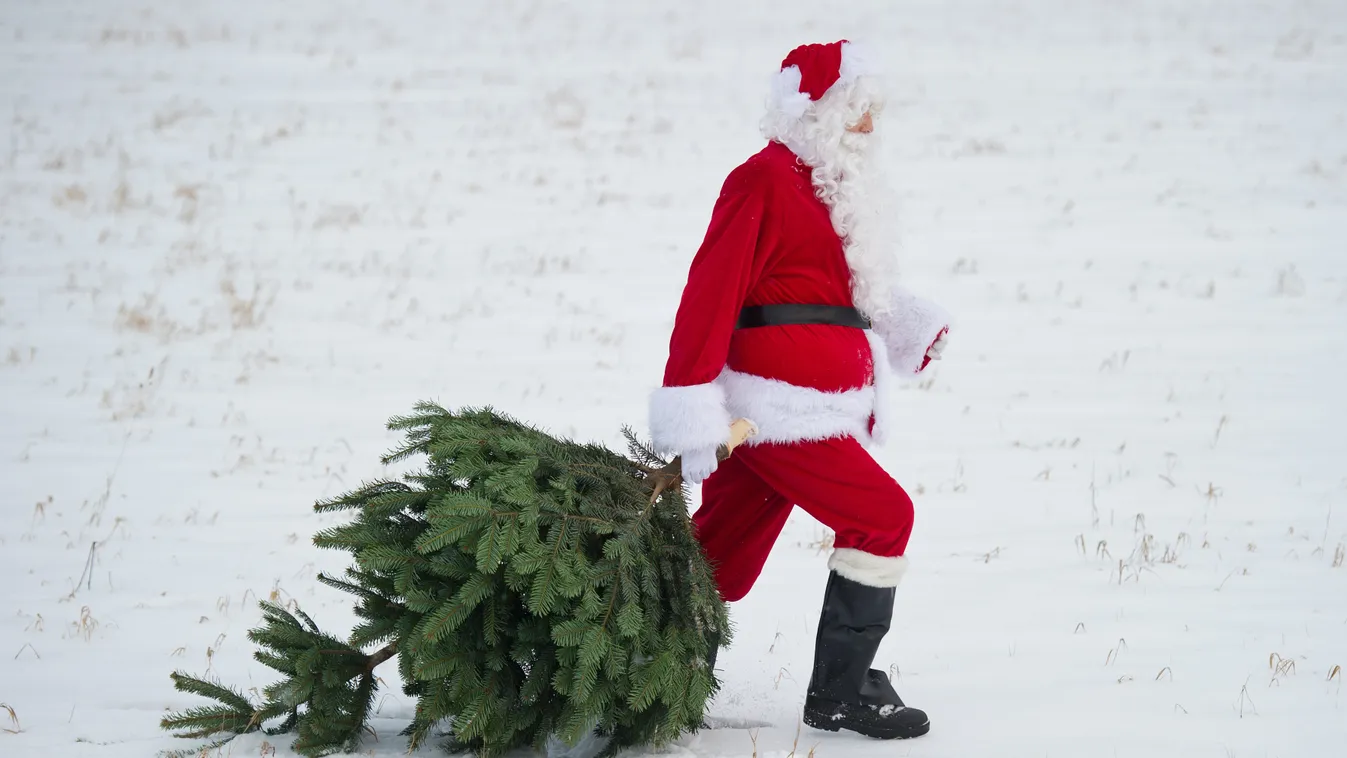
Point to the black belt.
(798, 313)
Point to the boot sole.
(829, 724)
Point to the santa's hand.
(699, 464)
(934, 351)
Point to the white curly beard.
(847, 179)
(850, 183)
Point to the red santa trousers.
(745, 504)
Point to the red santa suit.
(814, 391)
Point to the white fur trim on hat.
(785, 95)
(867, 568)
(688, 418)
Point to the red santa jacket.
(771, 241)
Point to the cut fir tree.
(527, 586)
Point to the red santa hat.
(810, 71)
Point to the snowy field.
(235, 237)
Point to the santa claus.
(793, 318)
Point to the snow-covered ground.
(236, 236)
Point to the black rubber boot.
(844, 692)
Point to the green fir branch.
(527, 585)
(227, 696)
(199, 751)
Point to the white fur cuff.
(867, 568)
(688, 418)
(908, 328)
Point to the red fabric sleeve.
(688, 413)
(724, 270)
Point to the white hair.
(844, 175)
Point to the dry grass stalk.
(824, 543)
(796, 744)
(1094, 503)
(86, 625)
(40, 510)
(246, 312)
(27, 646)
(1280, 666)
(13, 717)
(1244, 698)
(88, 572)
(1112, 656)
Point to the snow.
(237, 236)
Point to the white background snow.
(235, 237)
